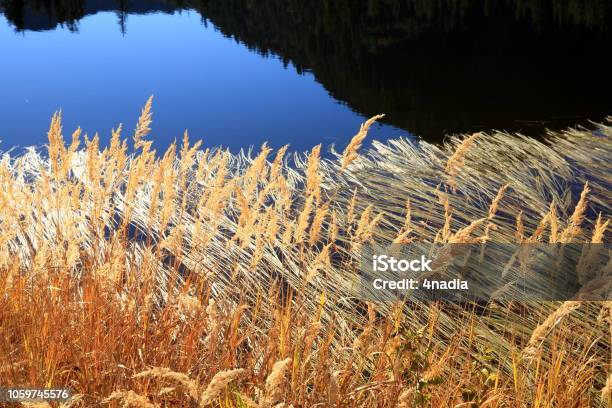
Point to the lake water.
(238, 73)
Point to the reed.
(218, 384)
(146, 278)
(352, 149)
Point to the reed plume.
(143, 126)
(541, 332)
(274, 382)
(131, 399)
(573, 228)
(351, 152)
(456, 160)
(165, 373)
(218, 384)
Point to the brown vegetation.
(202, 278)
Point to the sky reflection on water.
(202, 81)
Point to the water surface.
(202, 81)
(238, 73)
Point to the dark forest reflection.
(433, 67)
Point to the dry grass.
(201, 278)
(352, 149)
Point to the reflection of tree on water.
(432, 66)
(438, 66)
(122, 12)
(40, 15)
(64, 12)
(405, 17)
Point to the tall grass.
(201, 278)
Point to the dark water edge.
(434, 68)
(443, 67)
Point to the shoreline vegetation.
(201, 278)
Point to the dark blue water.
(202, 81)
(237, 73)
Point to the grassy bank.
(201, 278)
